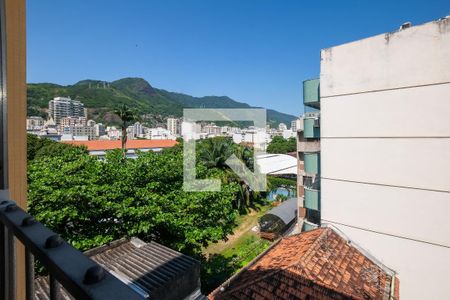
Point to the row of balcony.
(311, 127)
(310, 147)
(312, 163)
(311, 93)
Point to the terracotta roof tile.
(102, 145)
(318, 264)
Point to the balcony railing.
(312, 198)
(311, 128)
(311, 93)
(312, 163)
(81, 277)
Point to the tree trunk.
(124, 142)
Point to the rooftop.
(277, 164)
(318, 264)
(102, 145)
(150, 269)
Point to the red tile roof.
(318, 264)
(102, 145)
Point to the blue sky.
(254, 51)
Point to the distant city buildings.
(68, 122)
(61, 107)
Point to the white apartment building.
(384, 163)
(113, 133)
(35, 123)
(174, 126)
(159, 133)
(135, 131)
(259, 139)
(79, 131)
(296, 124)
(61, 107)
(212, 129)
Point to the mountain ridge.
(101, 97)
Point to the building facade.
(384, 160)
(61, 107)
(174, 126)
(35, 123)
(308, 148)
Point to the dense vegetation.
(91, 202)
(281, 145)
(154, 104)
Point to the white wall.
(385, 151)
(408, 162)
(415, 56)
(423, 269)
(409, 112)
(412, 213)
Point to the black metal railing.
(81, 277)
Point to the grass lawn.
(225, 258)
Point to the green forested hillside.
(154, 104)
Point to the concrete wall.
(385, 151)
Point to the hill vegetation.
(156, 105)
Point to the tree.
(91, 202)
(213, 154)
(44, 147)
(127, 116)
(281, 145)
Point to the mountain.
(102, 97)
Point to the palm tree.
(127, 116)
(214, 152)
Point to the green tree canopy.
(91, 202)
(281, 145)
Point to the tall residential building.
(174, 126)
(384, 160)
(61, 107)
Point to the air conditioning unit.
(316, 122)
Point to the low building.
(150, 269)
(159, 133)
(35, 123)
(318, 264)
(98, 148)
(277, 164)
